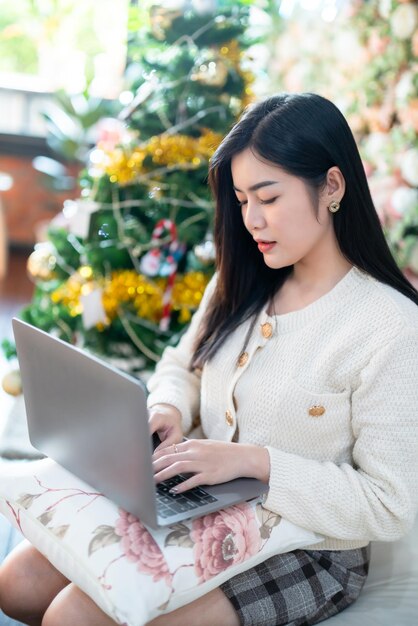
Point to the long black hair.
(304, 134)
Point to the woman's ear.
(335, 185)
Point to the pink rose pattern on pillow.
(139, 546)
(223, 539)
(210, 544)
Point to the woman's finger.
(171, 445)
(164, 459)
(168, 457)
(157, 422)
(168, 471)
(169, 442)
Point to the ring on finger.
(175, 448)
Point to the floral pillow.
(134, 573)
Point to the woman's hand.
(165, 420)
(211, 462)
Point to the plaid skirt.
(298, 588)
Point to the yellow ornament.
(136, 292)
(178, 151)
(80, 283)
(12, 383)
(41, 263)
(232, 51)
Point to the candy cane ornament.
(163, 261)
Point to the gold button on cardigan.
(316, 410)
(228, 418)
(243, 359)
(266, 330)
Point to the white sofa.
(390, 595)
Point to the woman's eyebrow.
(264, 183)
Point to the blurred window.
(47, 45)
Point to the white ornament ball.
(409, 167)
(205, 252)
(12, 383)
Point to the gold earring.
(334, 206)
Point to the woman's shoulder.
(212, 283)
(377, 319)
(389, 305)
(381, 313)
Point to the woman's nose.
(253, 217)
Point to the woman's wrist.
(256, 462)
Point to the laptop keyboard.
(169, 504)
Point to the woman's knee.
(71, 606)
(28, 583)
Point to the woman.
(302, 361)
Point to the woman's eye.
(242, 203)
(269, 201)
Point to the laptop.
(92, 419)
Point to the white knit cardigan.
(333, 396)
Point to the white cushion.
(131, 572)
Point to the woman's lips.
(265, 246)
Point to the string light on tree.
(213, 73)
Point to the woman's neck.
(306, 284)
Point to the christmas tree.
(125, 266)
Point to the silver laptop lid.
(89, 417)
